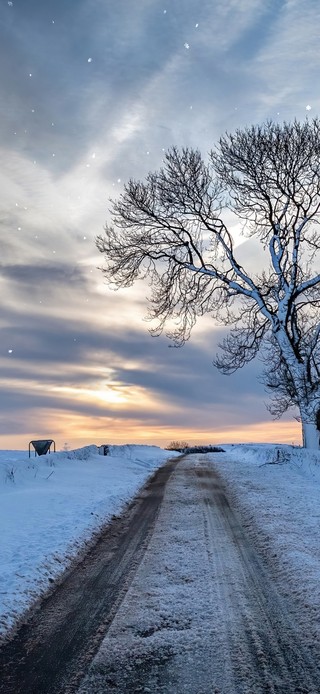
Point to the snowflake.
(186, 45)
(30, 74)
(10, 350)
(308, 107)
(164, 11)
(119, 180)
(10, 3)
(196, 26)
(89, 60)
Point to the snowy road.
(202, 615)
(178, 600)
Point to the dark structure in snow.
(42, 446)
(103, 449)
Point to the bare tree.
(171, 228)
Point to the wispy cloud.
(287, 64)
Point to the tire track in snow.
(264, 649)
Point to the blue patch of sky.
(252, 40)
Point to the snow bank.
(260, 454)
(51, 506)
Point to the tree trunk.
(310, 430)
(308, 398)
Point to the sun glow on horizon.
(80, 430)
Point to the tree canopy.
(172, 228)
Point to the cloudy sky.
(92, 92)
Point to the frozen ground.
(51, 506)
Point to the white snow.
(51, 506)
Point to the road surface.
(186, 607)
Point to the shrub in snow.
(177, 446)
(204, 449)
(9, 474)
(183, 447)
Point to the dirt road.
(181, 598)
(50, 653)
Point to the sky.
(92, 94)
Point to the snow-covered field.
(51, 506)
